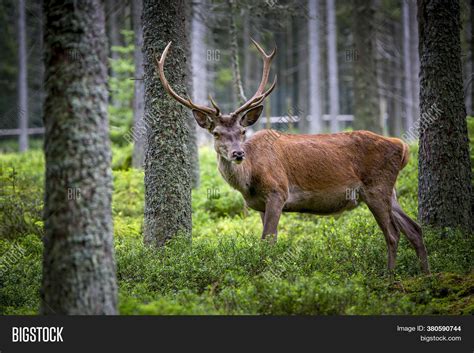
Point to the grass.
(320, 265)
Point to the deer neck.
(236, 175)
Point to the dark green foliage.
(318, 266)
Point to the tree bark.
(366, 102)
(22, 110)
(167, 163)
(332, 64)
(471, 79)
(314, 68)
(445, 189)
(78, 260)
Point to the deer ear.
(251, 116)
(203, 119)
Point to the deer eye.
(216, 135)
(243, 132)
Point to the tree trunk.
(303, 102)
(167, 161)
(22, 110)
(332, 64)
(366, 102)
(415, 60)
(192, 125)
(78, 261)
(139, 88)
(113, 28)
(234, 47)
(199, 64)
(471, 79)
(445, 189)
(314, 68)
(407, 67)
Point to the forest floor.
(320, 265)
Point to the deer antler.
(186, 102)
(260, 95)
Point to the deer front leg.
(273, 209)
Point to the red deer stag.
(306, 173)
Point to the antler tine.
(267, 60)
(260, 95)
(186, 102)
(256, 100)
(214, 104)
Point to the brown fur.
(312, 174)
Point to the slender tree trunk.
(332, 64)
(366, 101)
(192, 125)
(303, 102)
(397, 82)
(415, 60)
(407, 67)
(445, 189)
(198, 63)
(78, 261)
(314, 67)
(113, 29)
(246, 40)
(22, 79)
(234, 47)
(139, 88)
(167, 160)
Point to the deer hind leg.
(413, 232)
(381, 209)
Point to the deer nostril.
(238, 154)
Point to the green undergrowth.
(319, 266)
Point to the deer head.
(228, 129)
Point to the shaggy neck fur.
(237, 175)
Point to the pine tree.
(78, 261)
(445, 189)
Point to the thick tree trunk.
(332, 64)
(139, 87)
(366, 101)
(167, 160)
(445, 189)
(78, 261)
(471, 79)
(22, 110)
(315, 109)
